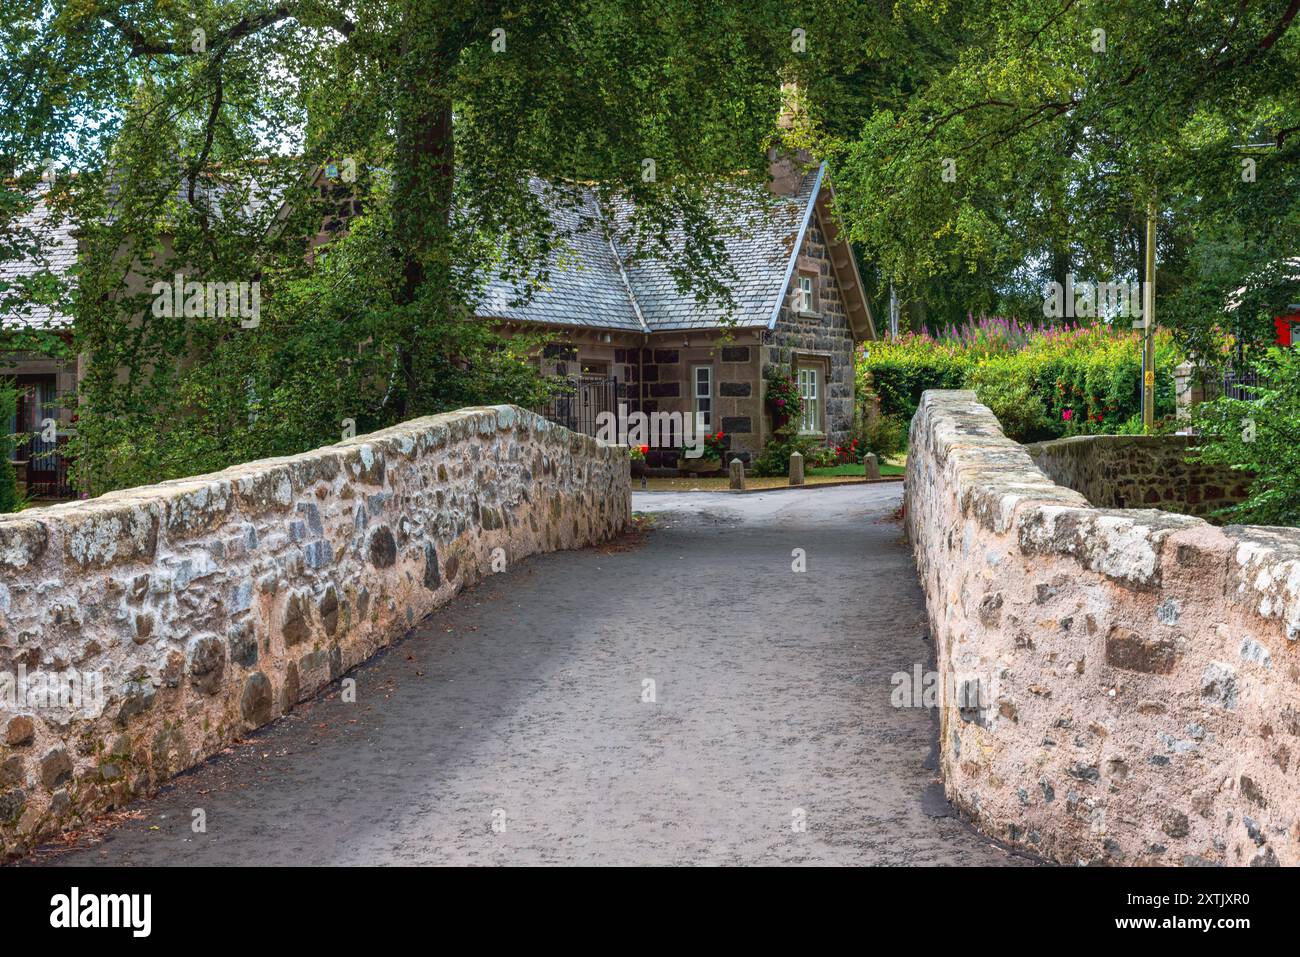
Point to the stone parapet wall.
(1140, 471)
(1120, 686)
(208, 606)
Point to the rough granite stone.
(1132, 654)
(193, 601)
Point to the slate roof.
(599, 284)
(58, 253)
(761, 237)
(58, 244)
(592, 282)
(586, 284)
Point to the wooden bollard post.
(737, 472)
(796, 468)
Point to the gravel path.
(509, 727)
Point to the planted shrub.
(1058, 382)
(9, 498)
(783, 443)
(1011, 397)
(1257, 437)
(886, 435)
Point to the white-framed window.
(809, 399)
(805, 294)
(702, 396)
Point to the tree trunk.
(1060, 258)
(423, 176)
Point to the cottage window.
(810, 411)
(702, 377)
(805, 298)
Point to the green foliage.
(1057, 124)
(448, 114)
(899, 375)
(1011, 397)
(884, 435)
(9, 498)
(1066, 382)
(781, 444)
(820, 457)
(1056, 139)
(1260, 438)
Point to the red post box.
(1285, 328)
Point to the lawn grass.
(857, 470)
(720, 483)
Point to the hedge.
(1064, 382)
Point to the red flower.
(645, 449)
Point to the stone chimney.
(786, 168)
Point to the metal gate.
(42, 464)
(581, 402)
(1240, 383)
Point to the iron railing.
(40, 437)
(580, 402)
(1240, 383)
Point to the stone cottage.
(43, 381)
(47, 384)
(627, 335)
(623, 331)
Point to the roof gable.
(853, 291)
(598, 283)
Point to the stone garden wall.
(1140, 471)
(1122, 686)
(208, 606)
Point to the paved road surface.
(521, 705)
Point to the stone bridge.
(1134, 671)
(718, 689)
(751, 679)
